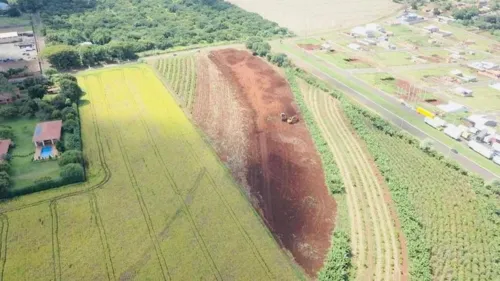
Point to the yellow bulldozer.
(290, 120)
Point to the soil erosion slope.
(238, 105)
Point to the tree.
(72, 142)
(436, 12)
(261, 48)
(8, 111)
(427, 145)
(87, 56)
(13, 12)
(62, 56)
(4, 166)
(5, 183)
(70, 126)
(71, 156)
(280, 59)
(37, 91)
(466, 13)
(72, 172)
(70, 90)
(252, 40)
(59, 102)
(100, 37)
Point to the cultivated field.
(158, 205)
(182, 70)
(456, 215)
(319, 15)
(238, 103)
(379, 249)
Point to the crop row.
(180, 74)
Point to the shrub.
(72, 173)
(5, 182)
(338, 261)
(71, 156)
(4, 166)
(6, 133)
(70, 126)
(72, 141)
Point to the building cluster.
(17, 46)
(479, 132)
(371, 34)
(436, 31)
(486, 68)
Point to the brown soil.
(275, 161)
(409, 92)
(309, 47)
(434, 58)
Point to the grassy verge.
(338, 261)
(414, 120)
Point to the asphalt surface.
(466, 163)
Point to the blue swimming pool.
(46, 152)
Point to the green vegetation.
(23, 20)
(119, 29)
(337, 264)
(260, 48)
(393, 58)
(180, 74)
(382, 81)
(342, 60)
(19, 120)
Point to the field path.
(376, 248)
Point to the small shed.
(431, 28)
(452, 107)
(463, 91)
(355, 46)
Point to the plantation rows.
(374, 242)
(459, 227)
(180, 73)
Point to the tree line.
(117, 30)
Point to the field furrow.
(382, 259)
(357, 227)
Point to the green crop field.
(158, 204)
(180, 74)
(448, 217)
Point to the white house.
(481, 121)
(355, 47)
(452, 107)
(495, 86)
(9, 37)
(431, 28)
(435, 122)
(453, 131)
(360, 31)
(456, 72)
(463, 91)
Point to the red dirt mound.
(309, 47)
(282, 170)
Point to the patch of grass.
(393, 58)
(399, 30)
(381, 81)
(25, 171)
(313, 41)
(24, 19)
(340, 60)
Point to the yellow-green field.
(158, 204)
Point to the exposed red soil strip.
(309, 47)
(283, 170)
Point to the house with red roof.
(45, 137)
(4, 148)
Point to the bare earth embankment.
(238, 104)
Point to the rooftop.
(8, 35)
(48, 131)
(4, 147)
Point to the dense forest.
(141, 25)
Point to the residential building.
(463, 92)
(453, 131)
(481, 149)
(495, 86)
(452, 107)
(4, 148)
(355, 47)
(431, 28)
(9, 37)
(410, 18)
(47, 133)
(435, 122)
(481, 120)
(360, 31)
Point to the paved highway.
(389, 115)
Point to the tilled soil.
(238, 105)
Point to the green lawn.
(312, 41)
(339, 59)
(24, 171)
(375, 79)
(483, 99)
(393, 58)
(417, 122)
(399, 30)
(8, 21)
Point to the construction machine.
(292, 120)
(283, 117)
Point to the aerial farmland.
(201, 140)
